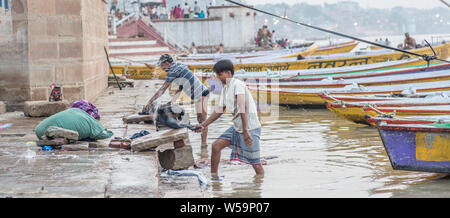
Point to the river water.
(313, 153)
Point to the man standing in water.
(189, 84)
(244, 134)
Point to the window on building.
(1, 3)
(6, 4)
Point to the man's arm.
(157, 95)
(214, 116)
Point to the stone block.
(84, 146)
(73, 93)
(57, 132)
(136, 118)
(2, 107)
(39, 94)
(120, 143)
(44, 108)
(71, 50)
(98, 144)
(43, 50)
(68, 7)
(52, 142)
(178, 158)
(153, 140)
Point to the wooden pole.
(112, 70)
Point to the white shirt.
(228, 99)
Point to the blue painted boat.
(417, 147)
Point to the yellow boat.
(138, 72)
(341, 60)
(358, 112)
(443, 52)
(338, 48)
(374, 47)
(309, 51)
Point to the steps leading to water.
(148, 47)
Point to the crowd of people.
(265, 38)
(186, 11)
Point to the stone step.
(132, 42)
(135, 46)
(138, 50)
(131, 56)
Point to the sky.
(424, 4)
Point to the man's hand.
(248, 138)
(200, 128)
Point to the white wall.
(232, 26)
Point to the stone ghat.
(100, 170)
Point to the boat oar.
(112, 70)
(426, 57)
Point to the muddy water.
(313, 153)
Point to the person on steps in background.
(243, 136)
(189, 84)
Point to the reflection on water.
(313, 153)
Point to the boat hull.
(314, 98)
(340, 48)
(441, 50)
(417, 149)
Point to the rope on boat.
(391, 115)
(426, 57)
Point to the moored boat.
(336, 48)
(387, 119)
(409, 111)
(382, 97)
(356, 111)
(273, 53)
(417, 147)
(312, 96)
(319, 62)
(389, 77)
(264, 64)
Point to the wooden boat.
(417, 147)
(381, 97)
(272, 53)
(386, 119)
(319, 74)
(286, 64)
(319, 62)
(409, 111)
(357, 112)
(327, 74)
(414, 75)
(374, 47)
(333, 73)
(337, 48)
(312, 96)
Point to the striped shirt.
(182, 76)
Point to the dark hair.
(224, 65)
